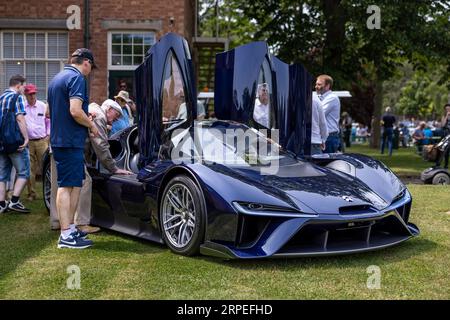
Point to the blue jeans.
(332, 143)
(21, 162)
(388, 134)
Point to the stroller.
(436, 153)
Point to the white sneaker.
(18, 207)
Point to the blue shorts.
(69, 166)
(21, 162)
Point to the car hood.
(313, 188)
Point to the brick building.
(35, 39)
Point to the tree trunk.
(335, 19)
(375, 139)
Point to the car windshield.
(228, 143)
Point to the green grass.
(121, 267)
(404, 161)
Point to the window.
(127, 49)
(173, 98)
(39, 56)
(262, 112)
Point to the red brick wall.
(181, 10)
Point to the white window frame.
(3, 60)
(125, 67)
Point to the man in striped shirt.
(19, 159)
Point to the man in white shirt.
(319, 130)
(182, 111)
(332, 109)
(261, 113)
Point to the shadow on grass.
(22, 237)
(132, 243)
(401, 252)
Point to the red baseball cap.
(30, 89)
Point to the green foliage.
(332, 36)
(422, 96)
(226, 20)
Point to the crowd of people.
(332, 131)
(71, 128)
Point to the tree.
(422, 96)
(332, 36)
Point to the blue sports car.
(199, 191)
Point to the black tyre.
(182, 216)
(441, 178)
(46, 185)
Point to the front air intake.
(360, 209)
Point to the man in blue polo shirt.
(68, 104)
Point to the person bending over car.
(102, 117)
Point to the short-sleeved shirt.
(6, 100)
(35, 119)
(388, 120)
(418, 133)
(66, 85)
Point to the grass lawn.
(404, 161)
(121, 267)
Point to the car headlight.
(261, 209)
(399, 196)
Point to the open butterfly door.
(242, 76)
(165, 93)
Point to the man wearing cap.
(103, 116)
(122, 99)
(107, 114)
(68, 103)
(38, 130)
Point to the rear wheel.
(47, 184)
(441, 178)
(182, 216)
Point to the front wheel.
(441, 178)
(182, 216)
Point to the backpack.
(10, 136)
